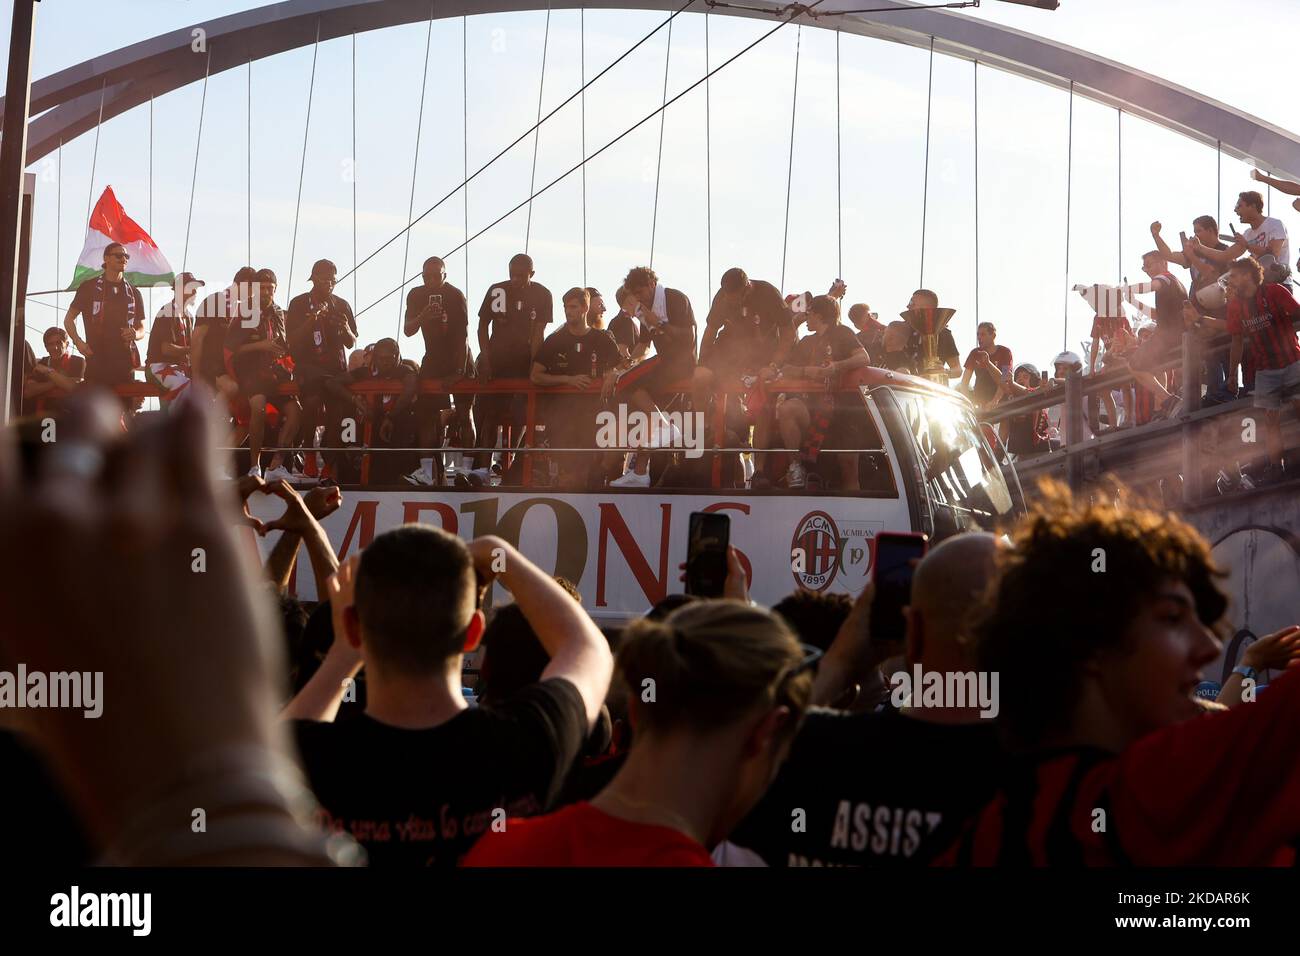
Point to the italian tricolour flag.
(110, 223)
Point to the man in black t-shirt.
(439, 312)
(895, 354)
(807, 421)
(113, 313)
(255, 349)
(419, 776)
(748, 333)
(891, 788)
(396, 423)
(211, 319)
(512, 322)
(576, 356)
(59, 372)
(321, 328)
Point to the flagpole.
(13, 159)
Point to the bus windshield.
(960, 472)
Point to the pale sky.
(1208, 46)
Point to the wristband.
(1246, 671)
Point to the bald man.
(892, 787)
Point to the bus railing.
(375, 390)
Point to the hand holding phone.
(893, 565)
(708, 539)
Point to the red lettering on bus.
(612, 523)
(411, 514)
(363, 518)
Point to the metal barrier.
(1137, 449)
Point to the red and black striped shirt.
(1266, 324)
(1217, 790)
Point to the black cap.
(321, 266)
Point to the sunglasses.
(118, 255)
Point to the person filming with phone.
(439, 312)
(890, 787)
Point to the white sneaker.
(278, 473)
(255, 471)
(632, 480)
(795, 476)
(419, 477)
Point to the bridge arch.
(70, 99)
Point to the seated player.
(395, 421)
(254, 348)
(55, 375)
(576, 356)
(806, 421)
(167, 359)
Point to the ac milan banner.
(623, 550)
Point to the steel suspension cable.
(94, 156)
(631, 129)
(582, 68)
(1069, 188)
(302, 168)
(194, 177)
(524, 135)
(659, 163)
(248, 177)
(708, 163)
(464, 140)
(537, 127)
(925, 188)
(976, 76)
(415, 163)
(789, 170)
(839, 180)
(353, 170)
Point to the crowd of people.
(708, 732)
(651, 357)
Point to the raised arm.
(1175, 257)
(579, 652)
(322, 695)
(1281, 185)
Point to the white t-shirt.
(1269, 230)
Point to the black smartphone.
(892, 570)
(706, 553)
